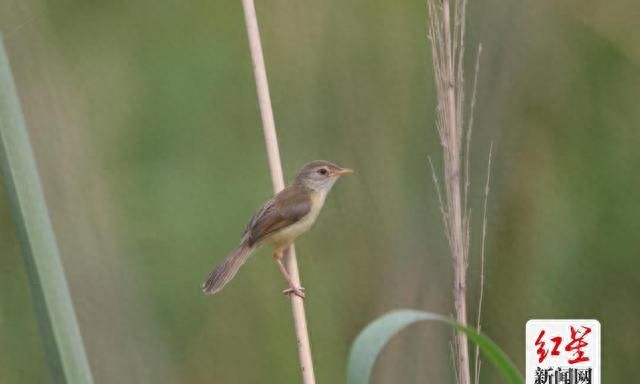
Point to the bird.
(289, 214)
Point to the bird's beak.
(343, 171)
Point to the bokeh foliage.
(146, 130)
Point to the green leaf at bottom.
(376, 335)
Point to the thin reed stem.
(482, 262)
(275, 165)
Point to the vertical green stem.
(54, 309)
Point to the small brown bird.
(279, 222)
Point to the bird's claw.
(298, 291)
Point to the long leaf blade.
(370, 342)
(54, 309)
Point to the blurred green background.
(144, 120)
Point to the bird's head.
(320, 175)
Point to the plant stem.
(447, 41)
(271, 141)
(476, 374)
(54, 308)
(454, 196)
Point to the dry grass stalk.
(476, 374)
(271, 141)
(448, 45)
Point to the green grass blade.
(57, 320)
(374, 337)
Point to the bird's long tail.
(227, 269)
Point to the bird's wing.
(284, 209)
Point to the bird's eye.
(323, 171)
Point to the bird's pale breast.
(288, 234)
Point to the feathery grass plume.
(447, 37)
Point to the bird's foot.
(298, 291)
